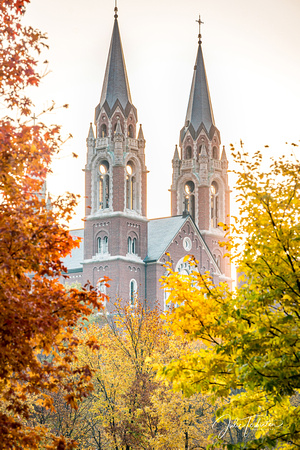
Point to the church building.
(118, 240)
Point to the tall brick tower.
(200, 180)
(115, 234)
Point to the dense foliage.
(37, 315)
(129, 407)
(251, 335)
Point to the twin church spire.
(199, 109)
(115, 88)
(199, 112)
(200, 181)
(197, 166)
(117, 233)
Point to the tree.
(251, 335)
(38, 315)
(129, 407)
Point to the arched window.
(99, 245)
(132, 245)
(189, 195)
(184, 267)
(214, 201)
(132, 292)
(101, 290)
(215, 153)
(103, 185)
(188, 152)
(130, 131)
(129, 242)
(105, 244)
(102, 245)
(103, 132)
(131, 199)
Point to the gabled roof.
(74, 261)
(115, 85)
(161, 232)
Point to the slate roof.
(199, 107)
(115, 85)
(73, 262)
(161, 232)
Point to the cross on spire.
(116, 9)
(199, 21)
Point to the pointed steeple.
(115, 85)
(199, 107)
(141, 134)
(176, 154)
(91, 132)
(223, 156)
(199, 111)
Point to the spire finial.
(199, 35)
(116, 10)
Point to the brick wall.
(203, 208)
(118, 181)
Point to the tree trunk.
(186, 445)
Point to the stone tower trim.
(115, 184)
(200, 179)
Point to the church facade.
(118, 241)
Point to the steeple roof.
(115, 85)
(199, 113)
(91, 132)
(199, 107)
(223, 156)
(141, 134)
(176, 154)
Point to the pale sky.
(251, 53)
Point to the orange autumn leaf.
(38, 315)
